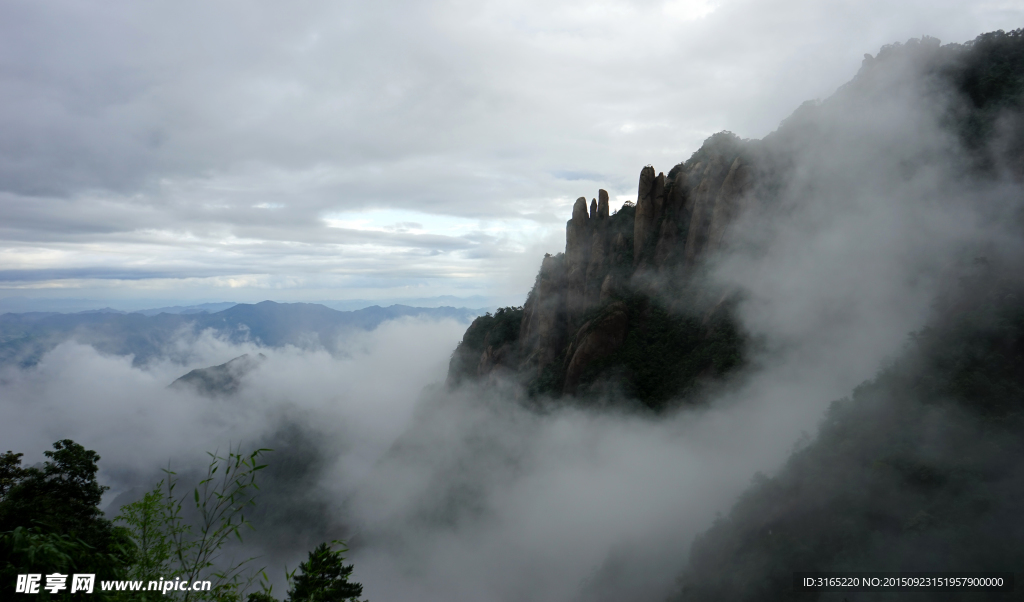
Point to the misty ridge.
(799, 353)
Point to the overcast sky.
(196, 151)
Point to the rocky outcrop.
(734, 197)
(589, 257)
(650, 202)
(675, 222)
(498, 362)
(596, 339)
(683, 216)
(599, 261)
(704, 197)
(576, 315)
(578, 239)
(543, 330)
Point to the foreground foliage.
(50, 521)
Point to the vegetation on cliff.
(499, 330)
(919, 470)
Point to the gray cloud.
(464, 496)
(173, 122)
(336, 413)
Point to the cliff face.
(587, 302)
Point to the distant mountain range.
(210, 308)
(152, 307)
(26, 337)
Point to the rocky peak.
(602, 204)
(577, 313)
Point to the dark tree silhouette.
(324, 578)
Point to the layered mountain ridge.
(27, 337)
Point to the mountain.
(103, 310)
(920, 469)
(629, 310)
(25, 338)
(188, 309)
(620, 303)
(219, 380)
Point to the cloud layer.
(234, 150)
